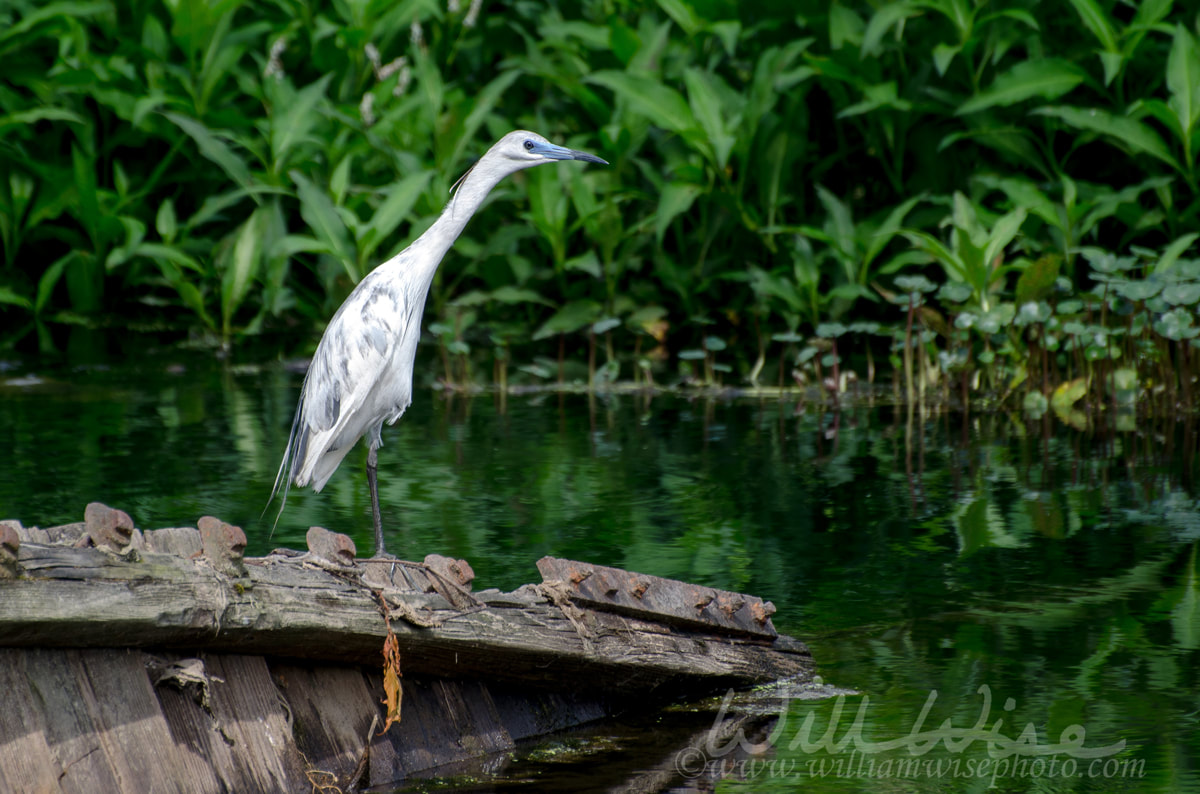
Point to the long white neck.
(426, 252)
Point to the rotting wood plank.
(205, 752)
(70, 730)
(116, 691)
(88, 597)
(29, 765)
(331, 711)
(251, 717)
(656, 598)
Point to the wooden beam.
(307, 607)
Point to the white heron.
(362, 373)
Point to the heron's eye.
(529, 146)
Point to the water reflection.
(916, 554)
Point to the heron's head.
(523, 149)
(515, 151)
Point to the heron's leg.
(373, 482)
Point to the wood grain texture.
(288, 607)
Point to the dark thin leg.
(373, 482)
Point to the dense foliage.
(994, 196)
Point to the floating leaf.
(1069, 393)
(1125, 378)
(1035, 404)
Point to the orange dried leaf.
(391, 680)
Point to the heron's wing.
(357, 380)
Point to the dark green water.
(925, 562)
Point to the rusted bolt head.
(640, 589)
(108, 527)
(459, 572)
(10, 549)
(579, 574)
(223, 543)
(762, 611)
(703, 599)
(730, 605)
(332, 546)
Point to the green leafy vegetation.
(997, 200)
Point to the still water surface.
(978, 569)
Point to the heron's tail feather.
(293, 458)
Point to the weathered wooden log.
(281, 683)
(308, 607)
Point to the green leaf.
(1003, 232)
(605, 324)
(943, 56)
(510, 294)
(1174, 251)
(401, 197)
(880, 95)
(1048, 78)
(662, 104)
(89, 204)
(339, 181)
(167, 253)
(1098, 23)
(240, 264)
(165, 221)
(319, 213)
(570, 318)
(587, 262)
(683, 16)
(707, 106)
(1183, 80)
(214, 149)
(845, 26)
(11, 298)
(50, 278)
(885, 18)
(675, 199)
(1024, 193)
(1135, 135)
(1036, 282)
(27, 118)
(888, 229)
(291, 124)
(10, 35)
(482, 105)
(1112, 63)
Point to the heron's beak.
(563, 153)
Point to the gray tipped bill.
(563, 153)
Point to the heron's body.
(362, 373)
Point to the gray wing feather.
(359, 378)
